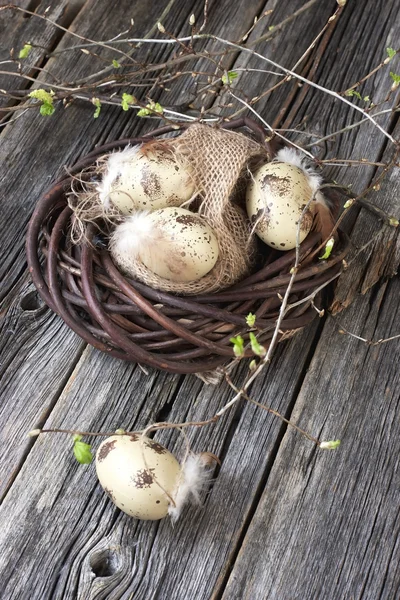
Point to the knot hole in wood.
(32, 302)
(105, 562)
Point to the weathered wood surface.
(281, 520)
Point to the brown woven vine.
(134, 322)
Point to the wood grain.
(142, 555)
(55, 516)
(18, 29)
(327, 525)
(31, 336)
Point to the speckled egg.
(275, 200)
(144, 179)
(188, 248)
(134, 472)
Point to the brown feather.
(323, 220)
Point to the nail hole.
(31, 301)
(104, 563)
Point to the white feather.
(195, 476)
(115, 163)
(134, 233)
(293, 157)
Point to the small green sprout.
(348, 203)
(251, 319)
(127, 100)
(328, 249)
(256, 346)
(46, 98)
(271, 27)
(253, 365)
(24, 52)
(238, 345)
(390, 52)
(229, 77)
(82, 451)
(353, 93)
(396, 80)
(331, 445)
(150, 108)
(96, 102)
(116, 64)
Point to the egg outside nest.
(145, 480)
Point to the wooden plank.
(31, 336)
(299, 544)
(38, 352)
(92, 528)
(18, 29)
(79, 534)
(64, 541)
(327, 525)
(37, 128)
(380, 259)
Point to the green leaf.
(271, 27)
(127, 100)
(116, 64)
(47, 109)
(229, 77)
(143, 112)
(255, 346)
(42, 95)
(238, 345)
(396, 78)
(390, 52)
(366, 98)
(96, 102)
(82, 451)
(150, 108)
(24, 52)
(353, 93)
(331, 445)
(328, 249)
(251, 319)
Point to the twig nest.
(145, 178)
(173, 243)
(138, 474)
(277, 199)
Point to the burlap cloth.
(218, 161)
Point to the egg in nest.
(282, 194)
(145, 177)
(173, 243)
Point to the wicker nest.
(132, 321)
